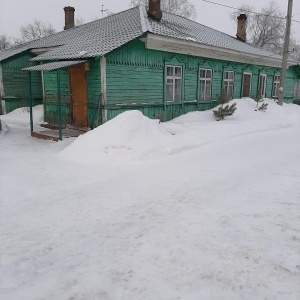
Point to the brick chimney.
(154, 11)
(69, 17)
(241, 28)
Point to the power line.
(248, 11)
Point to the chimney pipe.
(69, 17)
(241, 28)
(154, 11)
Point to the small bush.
(223, 98)
(224, 111)
(259, 99)
(263, 107)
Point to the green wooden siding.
(136, 80)
(50, 102)
(15, 82)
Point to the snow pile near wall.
(131, 135)
(21, 116)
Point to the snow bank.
(131, 135)
(21, 116)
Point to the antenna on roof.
(103, 10)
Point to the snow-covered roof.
(100, 37)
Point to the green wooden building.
(159, 63)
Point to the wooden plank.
(78, 87)
(44, 136)
(2, 94)
(103, 89)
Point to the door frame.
(82, 66)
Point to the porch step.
(84, 129)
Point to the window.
(297, 91)
(205, 84)
(262, 85)
(229, 83)
(247, 80)
(174, 83)
(276, 85)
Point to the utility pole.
(285, 52)
(103, 10)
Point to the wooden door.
(78, 91)
(247, 78)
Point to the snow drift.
(21, 116)
(131, 135)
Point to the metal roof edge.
(55, 65)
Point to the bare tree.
(179, 7)
(5, 41)
(266, 28)
(295, 50)
(35, 30)
(79, 21)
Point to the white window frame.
(250, 88)
(276, 85)
(174, 78)
(265, 76)
(206, 80)
(226, 82)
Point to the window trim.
(199, 84)
(250, 89)
(174, 77)
(277, 83)
(228, 80)
(265, 87)
(174, 62)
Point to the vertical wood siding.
(135, 80)
(94, 90)
(50, 102)
(15, 82)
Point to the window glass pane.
(177, 90)
(178, 71)
(208, 91)
(202, 90)
(208, 74)
(226, 75)
(231, 75)
(202, 73)
(169, 90)
(170, 71)
(230, 90)
(262, 85)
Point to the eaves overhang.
(55, 65)
(183, 46)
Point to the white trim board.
(2, 94)
(167, 44)
(103, 88)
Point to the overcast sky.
(15, 13)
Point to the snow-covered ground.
(189, 209)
